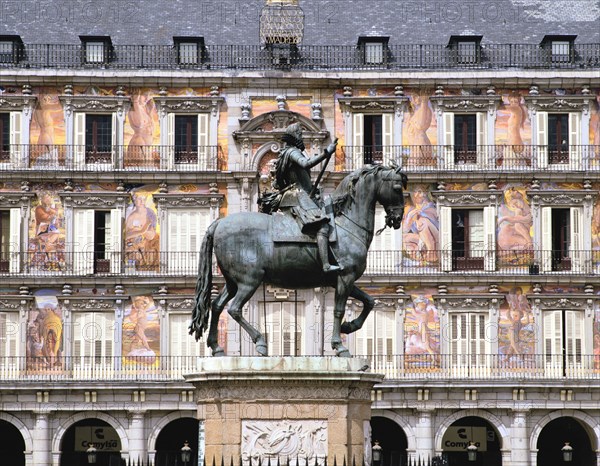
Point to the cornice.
(87, 303)
(86, 199)
(17, 102)
(469, 302)
(188, 104)
(461, 103)
(561, 197)
(253, 130)
(579, 301)
(17, 198)
(95, 103)
(559, 103)
(189, 200)
(467, 198)
(373, 104)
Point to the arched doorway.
(171, 439)
(392, 440)
(472, 429)
(77, 438)
(553, 437)
(12, 444)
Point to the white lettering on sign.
(104, 438)
(457, 438)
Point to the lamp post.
(376, 451)
(91, 454)
(472, 452)
(186, 453)
(567, 451)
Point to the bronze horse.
(247, 256)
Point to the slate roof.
(327, 22)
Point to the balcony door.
(283, 327)
(95, 139)
(97, 241)
(558, 139)
(465, 138)
(564, 342)
(10, 240)
(372, 139)
(186, 229)
(93, 342)
(562, 239)
(469, 344)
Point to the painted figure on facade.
(251, 247)
(418, 124)
(141, 235)
(420, 227)
(514, 223)
(142, 123)
(293, 176)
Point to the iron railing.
(116, 157)
(303, 57)
(395, 367)
(40, 261)
(500, 157)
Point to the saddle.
(287, 229)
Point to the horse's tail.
(201, 311)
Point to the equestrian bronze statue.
(291, 247)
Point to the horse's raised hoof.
(261, 347)
(343, 352)
(218, 352)
(349, 327)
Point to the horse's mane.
(343, 195)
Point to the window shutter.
(575, 152)
(186, 229)
(546, 260)
(288, 329)
(204, 154)
(169, 154)
(482, 139)
(574, 336)
(489, 238)
(183, 347)
(387, 137)
(448, 133)
(114, 140)
(175, 239)
(272, 327)
(542, 139)
(358, 140)
(79, 139)
(15, 137)
(9, 337)
(82, 344)
(446, 238)
(114, 241)
(553, 343)
(93, 337)
(15, 240)
(384, 252)
(83, 247)
(576, 244)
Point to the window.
(558, 140)
(95, 138)
(183, 349)
(10, 240)
(10, 137)
(468, 238)
(372, 138)
(469, 347)
(186, 230)
(11, 49)
(188, 136)
(93, 337)
(559, 48)
(466, 50)
(564, 343)
(377, 338)
(465, 138)
(385, 252)
(562, 239)
(561, 51)
(9, 337)
(189, 50)
(97, 247)
(97, 50)
(283, 327)
(374, 50)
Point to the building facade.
(125, 133)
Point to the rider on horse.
(293, 175)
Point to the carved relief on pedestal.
(304, 439)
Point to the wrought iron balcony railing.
(44, 263)
(395, 367)
(502, 158)
(304, 57)
(128, 158)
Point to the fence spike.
(213, 461)
(222, 461)
(344, 460)
(334, 460)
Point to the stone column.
(41, 439)
(313, 407)
(136, 434)
(519, 438)
(424, 434)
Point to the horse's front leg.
(368, 305)
(341, 296)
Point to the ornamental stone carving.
(95, 103)
(558, 197)
(71, 199)
(563, 103)
(281, 440)
(188, 200)
(188, 104)
(78, 304)
(487, 302)
(374, 104)
(467, 198)
(457, 104)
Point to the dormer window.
(466, 49)
(11, 48)
(190, 50)
(374, 50)
(97, 50)
(560, 49)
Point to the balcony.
(496, 158)
(405, 367)
(305, 57)
(404, 263)
(123, 158)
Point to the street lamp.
(567, 451)
(472, 452)
(376, 453)
(91, 454)
(186, 453)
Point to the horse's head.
(390, 194)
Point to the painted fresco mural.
(46, 248)
(422, 330)
(516, 329)
(596, 233)
(141, 130)
(142, 232)
(47, 129)
(141, 331)
(44, 340)
(514, 227)
(420, 228)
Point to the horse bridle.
(391, 215)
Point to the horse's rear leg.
(341, 296)
(244, 293)
(217, 307)
(368, 305)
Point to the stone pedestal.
(284, 407)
